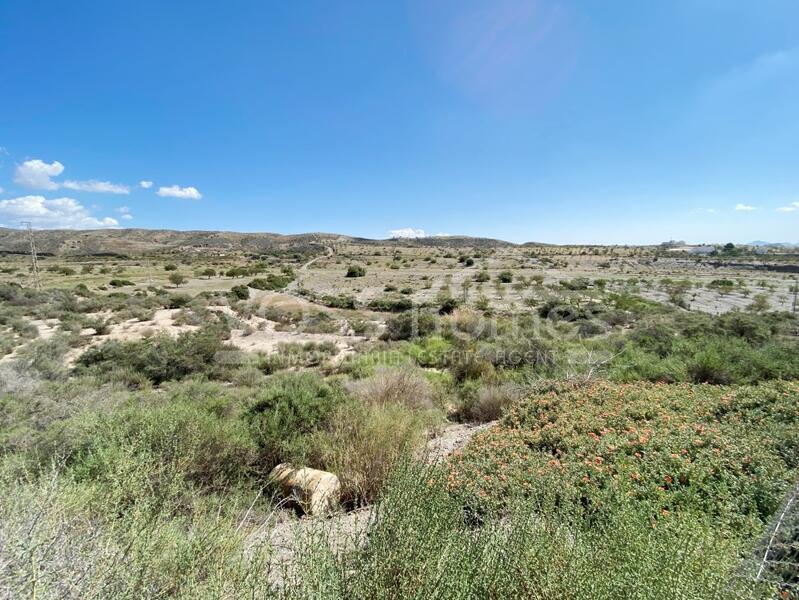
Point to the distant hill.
(761, 243)
(62, 242)
(448, 241)
(137, 242)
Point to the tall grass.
(55, 543)
(423, 545)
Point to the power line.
(34, 258)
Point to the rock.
(317, 492)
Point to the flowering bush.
(729, 452)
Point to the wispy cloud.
(792, 207)
(756, 73)
(59, 213)
(92, 185)
(508, 53)
(145, 184)
(744, 207)
(175, 191)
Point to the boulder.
(317, 492)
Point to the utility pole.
(34, 259)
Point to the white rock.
(317, 492)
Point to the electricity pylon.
(34, 259)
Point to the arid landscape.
(452, 300)
(466, 395)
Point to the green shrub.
(286, 411)
(177, 300)
(515, 351)
(431, 351)
(340, 301)
(390, 304)
(174, 439)
(162, 357)
(240, 292)
(722, 285)
(45, 358)
(120, 283)
(410, 325)
(578, 283)
(356, 271)
(448, 306)
(272, 282)
(505, 277)
(320, 322)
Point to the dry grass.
(363, 443)
(403, 386)
(491, 400)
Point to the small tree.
(170, 267)
(209, 272)
(176, 279)
(759, 303)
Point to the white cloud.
(145, 184)
(124, 212)
(175, 191)
(97, 186)
(59, 213)
(792, 207)
(36, 174)
(407, 232)
(740, 206)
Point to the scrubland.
(638, 411)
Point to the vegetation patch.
(727, 452)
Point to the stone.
(317, 492)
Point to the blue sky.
(528, 120)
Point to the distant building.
(701, 249)
(693, 249)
